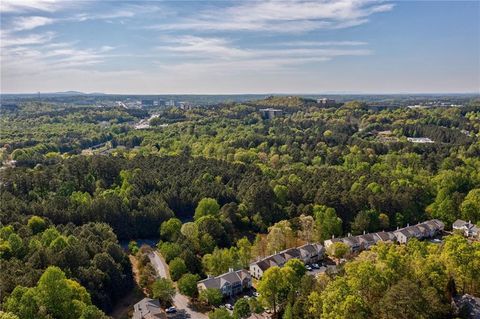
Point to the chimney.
(398, 228)
(408, 224)
(230, 269)
(349, 235)
(333, 236)
(364, 232)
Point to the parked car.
(307, 267)
(171, 310)
(228, 306)
(316, 266)
(256, 294)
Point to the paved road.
(180, 301)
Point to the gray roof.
(469, 304)
(147, 308)
(291, 253)
(369, 238)
(385, 236)
(404, 232)
(459, 223)
(351, 241)
(231, 278)
(312, 248)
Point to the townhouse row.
(426, 229)
(233, 282)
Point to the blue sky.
(277, 46)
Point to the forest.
(220, 185)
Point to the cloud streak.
(30, 22)
(33, 5)
(282, 16)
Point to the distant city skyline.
(240, 47)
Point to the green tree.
(170, 250)
(220, 261)
(163, 290)
(298, 268)
(244, 251)
(270, 287)
(470, 207)
(366, 220)
(327, 223)
(37, 224)
(55, 296)
(255, 305)
(133, 247)
(280, 236)
(384, 221)
(281, 192)
(177, 268)
(219, 313)
(8, 315)
(241, 309)
(171, 229)
(188, 285)
(212, 296)
(403, 300)
(338, 250)
(288, 313)
(207, 206)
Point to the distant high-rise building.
(326, 102)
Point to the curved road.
(180, 301)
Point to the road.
(180, 301)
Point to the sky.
(240, 46)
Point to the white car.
(171, 310)
(307, 267)
(256, 294)
(228, 306)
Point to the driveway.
(180, 301)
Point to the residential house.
(422, 230)
(353, 242)
(148, 309)
(468, 229)
(307, 253)
(310, 253)
(230, 283)
(367, 240)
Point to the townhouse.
(230, 283)
(307, 253)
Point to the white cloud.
(282, 16)
(220, 48)
(205, 47)
(32, 5)
(29, 23)
(9, 40)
